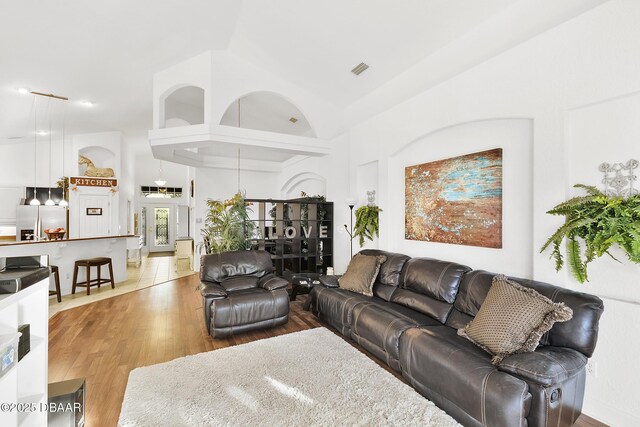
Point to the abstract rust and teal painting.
(456, 200)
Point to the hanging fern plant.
(600, 221)
(367, 223)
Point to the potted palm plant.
(227, 225)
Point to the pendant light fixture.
(160, 182)
(65, 183)
(49, 201)
(238, 148)
(35, 201)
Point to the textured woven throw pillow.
(512, 319)
(362, 273)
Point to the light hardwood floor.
(104, 340)
(152, 271)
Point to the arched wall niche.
(268, 111)
(515, 137)
(309, 182)
(182, 105)
(100, 156)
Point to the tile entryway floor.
(152, 271)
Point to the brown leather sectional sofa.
(411, 323)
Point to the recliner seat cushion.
(460, 378)
(377, 327)
(335, 306)
(249, 306)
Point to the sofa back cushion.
(390, 272)
(218, 267)
(430, 286)
(580, 333)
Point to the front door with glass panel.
(160, 238)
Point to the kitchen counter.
(64, 253)
(15, 279)
(77, 239)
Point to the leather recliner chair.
(240, 293)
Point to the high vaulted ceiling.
(108, 52)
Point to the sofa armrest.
(212, 290)
(330, 281)
(271, 282)
(546, 366)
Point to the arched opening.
(267, 111)
(308, 182)
(100, 157)
(183, 107)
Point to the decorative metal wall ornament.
(371, 197)
(616, 182)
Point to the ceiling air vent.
(359, 69)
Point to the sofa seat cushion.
(377, 327)
(546, 366)
(249, 306)
(335, 306)
(460, 378)
(406, 313)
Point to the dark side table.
(302, 283)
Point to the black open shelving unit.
(290, 231)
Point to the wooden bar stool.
(56, 279)
(88, 263)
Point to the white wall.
(549, 79)
(608, 131)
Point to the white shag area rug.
(309, 378)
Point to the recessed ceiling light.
(87, 103)
(293, 120)
(359, 69)
(43, 133)
(24, 90)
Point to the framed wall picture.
(94, 211)
(456, 200)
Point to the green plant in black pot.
(367, 223)
(600, 221)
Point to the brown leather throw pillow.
(512, 319)
(362, 273)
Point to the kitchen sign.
(93, 182)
